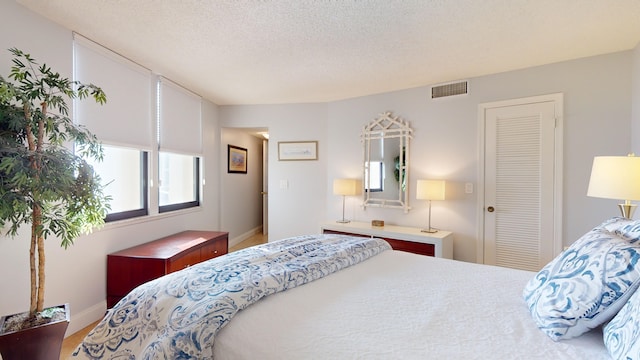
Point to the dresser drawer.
(412, 247)
(184, 261)
(210, 251)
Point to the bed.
(341, 297)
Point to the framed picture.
(297, 150)
(236, 159)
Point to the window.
(126, 125)
(123, 172)
(179, 132)
(178, 181)
(375, 175)
(125, 120)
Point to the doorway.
(243, 204)
(520, 206)
(265, 186)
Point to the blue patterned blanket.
(178, 316)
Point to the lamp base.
(429, 230)
(343, 221)
(627, 210)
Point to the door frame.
(265, 187)
(558, 99)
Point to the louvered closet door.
(519, 185)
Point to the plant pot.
(42, 342)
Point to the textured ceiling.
(294, 51)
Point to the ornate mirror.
(386, 162)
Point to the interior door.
(265, 187)
(522, 182)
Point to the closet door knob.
(491, 209)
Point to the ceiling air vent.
(458, 88)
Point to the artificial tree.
(45, 181)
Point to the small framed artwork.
(236, 159)
(297, 150)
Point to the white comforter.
(178, 315)
(398, 305)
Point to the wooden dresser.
(131, 267)
(410, 239)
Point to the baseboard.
(238, 239)
(85, 318)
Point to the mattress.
(398, 305)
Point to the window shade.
(179, 128)
(126, 118)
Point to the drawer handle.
(215, 251)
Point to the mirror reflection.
(386, 162)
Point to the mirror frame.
(387, 126)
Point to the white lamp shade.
(615, 177)
(430, 190)
(347, 187)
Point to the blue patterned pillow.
(587, 284)
(622, 334)
(629, 229)
(616, 223)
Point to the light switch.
(468, 188)
(284, 184)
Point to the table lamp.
(345, 187)
(430, 190)
(616, 177)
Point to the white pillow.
(588, 283)
(622, 334)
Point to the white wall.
(241, 214)
(294, 209)
(635, 102)
(78, 275)
(597, 114)
(597, 99)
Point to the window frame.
(144, 190)
(188, 204)
(368, 177)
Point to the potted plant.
(44, 184)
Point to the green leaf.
(52, 177)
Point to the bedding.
(622, 334)
(368, 303)
(178, 315)
(398, 305)
(588, 283)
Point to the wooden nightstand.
(410, 239)
(131, 267)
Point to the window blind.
(179, 127)
(126, 118)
